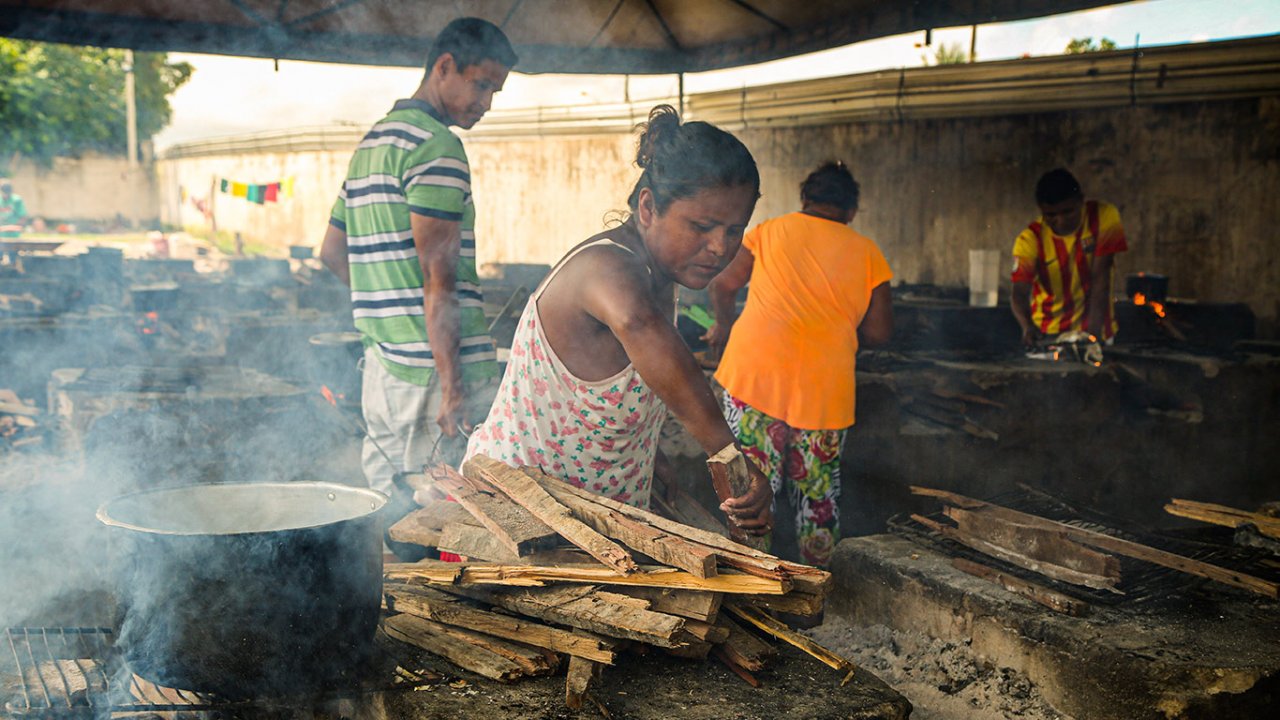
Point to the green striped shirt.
(409, 162)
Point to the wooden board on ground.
(526, 492)
(586, 608)
(490, 657)
(513, 525)
(1116, 545)
(578, 681)
(450, 610)
(443, 573)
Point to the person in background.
(596, 362)
(13, 211)
(819, 291)
(402, 236)
(1064, 263)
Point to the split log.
(795, 602)
(512, 524)
(442, 573)
(450, 610)
(706, 631)
(730, 480)
(423, 526)
(1037, 543)
(786, 634)
(737, 669)
(668, 549)
(586, 608)
(526, 492)
(743, 648)
(475, 542)
(684, 508)
(578, 680)
(746, 559)
(469, 651)
(1223, 515)
(1116, 545)
(704, 606)
(691, 649)
(1051, 599)
(1066, 575)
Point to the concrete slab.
(1211, 654)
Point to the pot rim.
(378, 499)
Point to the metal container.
(248, 590)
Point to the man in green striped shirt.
(402, 235)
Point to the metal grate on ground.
(1141, 583)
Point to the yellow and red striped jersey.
(1058, 268)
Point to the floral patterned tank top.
(600, 435)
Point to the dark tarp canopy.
(570, 36)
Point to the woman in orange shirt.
(819, 290)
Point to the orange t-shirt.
(793, 352)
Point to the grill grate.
(1141, 583)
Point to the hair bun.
(661, 128)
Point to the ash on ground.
(943, 680)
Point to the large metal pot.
(248, 590)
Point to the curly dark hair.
(682, 159)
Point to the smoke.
(225, 389)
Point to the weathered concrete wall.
(1195, 183)
(91, 187)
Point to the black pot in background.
(1155, 288)
(248, 589)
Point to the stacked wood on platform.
(553, 572)
(19, 424)
(1060, 551)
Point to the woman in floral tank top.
(596, 363)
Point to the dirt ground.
(943, 680)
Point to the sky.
(231, 95)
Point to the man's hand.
(1031, 336)
(753, 511)
(452, 415)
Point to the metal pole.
(131, 132)
(973, 44)
(680, 79)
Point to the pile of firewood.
(552, 570)
(18, 425)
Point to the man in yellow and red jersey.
(1063, 263)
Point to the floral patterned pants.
(808, 461)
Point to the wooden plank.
(586, 608)
(733, 479)
(1223, 515)
(729, 552)
(706, 631)
(512, 524)
(685, 509)
(424, 525)
(691, 649)
(582, 673)
(1037, 543)
(437, 572)
(449, 610)
(1117, 545)
(668, 549)
(743, 648)
(692, 604)
(424, 634)
(1047, 569)
(724, 657)
(475, 543)
(786, 634)
(1051, 599)
(795, 602)
(526, 492)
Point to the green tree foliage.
(950, 54)
(1087, 45)
(63, 100)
